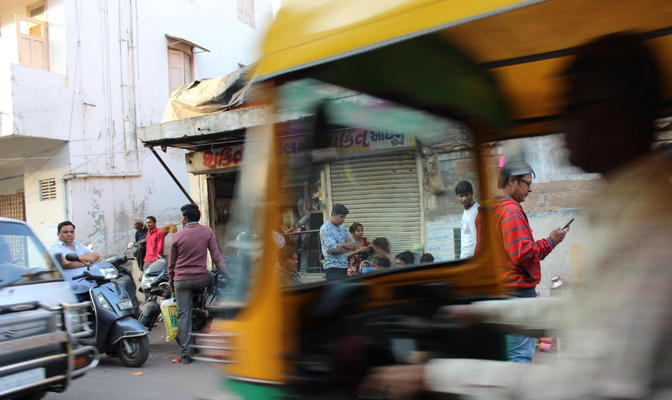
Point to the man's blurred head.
(614, 94)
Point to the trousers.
(184, 293)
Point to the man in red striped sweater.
(518, 253)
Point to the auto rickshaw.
(363, 93)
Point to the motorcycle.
(155, 286)
(117, 332)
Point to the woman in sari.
(356, 256)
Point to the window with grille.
(13, 206)
(47, 189)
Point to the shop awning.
(226, 127)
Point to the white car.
(40, 319)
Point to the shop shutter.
(381, 193)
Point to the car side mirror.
(72, 257)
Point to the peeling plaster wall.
(104, 208)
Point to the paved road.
(160, 378)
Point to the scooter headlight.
(103, 302)
(147, 282)
(109, 273)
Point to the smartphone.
(568, 224)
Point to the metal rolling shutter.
(382, 194)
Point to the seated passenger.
(365, 267)
(427, 258)
(377, 265)
(381, 248)
(404, 258)
(287, 270)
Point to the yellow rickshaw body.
(511, 54)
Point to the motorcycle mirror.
(90, 246)
(130, 245)
(72, 257)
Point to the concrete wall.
(43, 215)
(108, 75)
(212, 24)
(57, 31)
(40, 103)
(16, 80)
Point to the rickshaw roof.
(499, 60)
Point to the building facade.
(78, 77)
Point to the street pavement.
(160, 378)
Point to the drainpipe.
(172, 175)
(66, 201)
(87, 175)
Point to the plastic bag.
(169, 311)
(435, 183)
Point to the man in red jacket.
(188, 270)
(518, 253)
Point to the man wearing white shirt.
(66, 244)
(465, 195)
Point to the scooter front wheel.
(133, 351)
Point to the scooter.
(155, 286)
(120, 262)
(154, 274)
(117, 332)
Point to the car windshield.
(23, 258)
(395, 169)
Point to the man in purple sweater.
(188, 270)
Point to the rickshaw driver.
(620, 325)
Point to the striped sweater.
(517, 251)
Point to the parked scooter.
(117, 332)
(121, 263)
(155, 286)
(154, 274)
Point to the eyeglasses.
(529, 184)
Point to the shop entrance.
(220, 188)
